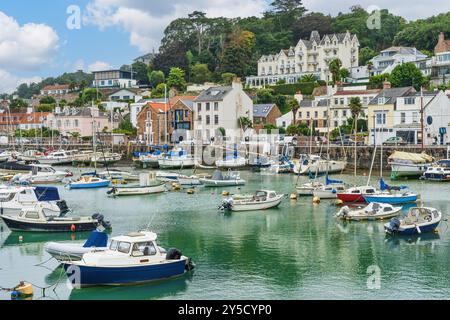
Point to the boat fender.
(294, 196)
(191, 191)
(316, 200)
(73, 228)
(339, 202)
(173, 254)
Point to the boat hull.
(257, 206)
(68, 252)
(222, 183)
(176, 164)
(412, 230)
(407, 170)
(18, 225)
(95, 185)
(391, 200)
(114, 276)
(351, 198)
(138, 191)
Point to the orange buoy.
(73, 228)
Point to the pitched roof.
(391, 95)
(262, 110)
(56, 87)
(356, 92)
(159, 107)
(214, 94)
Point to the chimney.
(237, 84)
(441, 37)
(29, 110)
(386, 85)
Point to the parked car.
(394, 141)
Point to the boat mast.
(421, 120)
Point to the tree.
(237, 54)
(141, 70)
(355, 106)
(294, 106)
(376, 82)
(90, 94)
(159, 91)
(264, 96)
(18, 104)
(407, 74)
(47, 100)
(200, 73)
(45, 108)
(307, 78)
(176, 79)
(313, 21)
(245, 123)
(344, 73)
(156, 77)
(335, 68)
(365, 55)
(126, 127)
(286, 11)
(170, 56)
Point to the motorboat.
(261, 200)
(356, 194)
(165, 176)
(105, 158)
(14, 198)
(119, 191)
(231, 178)
(38, 219)
(439, 171)
(176, 159)
(151, 159)
(308, 188)
(392, 195)
(134, 258)
(63, 251)
(193, 180)
(231, 162)
(41, 174)
(316, 165)
(418, 220)
(115, 174)
(408, 165)
(57, 158)
(82, 157)
(373, 211)
(89, 182)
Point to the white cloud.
(27, 47)
(99, 66)
(78, 65)
(145, 20)
(9, 82)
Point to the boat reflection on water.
(151, 291)
(21, 238)
(424, 239)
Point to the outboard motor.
(394, 225)
(173, 254)
(63, 207)
(343, 212)
(227, 204)
(190, 265)
(101, 220)
(112, 191)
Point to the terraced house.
(309, 56)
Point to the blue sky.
(35, 42)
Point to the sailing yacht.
(316, 165)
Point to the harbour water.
(297, 251)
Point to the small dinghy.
(134, 258)
(36, 219)
(89, 182)
(418, 220)
(261, 200)
(148, 184)
(98, 241)
(232, 178)
(374, 211)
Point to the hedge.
(306, 88)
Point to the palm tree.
(245, 123)
(294, 106)
(355, 109)
(335, 66)
(308, 78)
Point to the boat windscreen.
(217, 175)
(47, 193)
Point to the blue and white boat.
(89, 182)
(130, 259)
(176, 159)
(392, 195)
(418, 220)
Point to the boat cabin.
(29, 194)
(362, 190)
(264, 195)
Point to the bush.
(306, 88)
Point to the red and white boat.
(356, 194)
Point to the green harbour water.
(297, 251)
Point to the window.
(208, 120)
(199, 107)
(342, 101)
(344, 113)
(402, 117)
(415, 116)
(76, 123)
(381, 118)
(186, 114)
(32, 215)
(67, 123)
(336, 113)
(200, 118)
(308, 115)
(336, 124)
(143, 249)
(316, 114)
(325, 114)
(208, 106)
(114, 245)
(124, 247)
(216, 119)
(216, 106)
(300, 114)
(336, 101)
(410, 100)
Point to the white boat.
(262, 200)
(119, 191)
(115, 174)
(134, 258)
(57, 158)
(193, 180)
(151, 160)
(41, 174)
(407, 164)
(374, 211)
(231, 162)
(307, 189)
(106, 158)
(14, 199)
(176, 159)
(62, 251)
(316, 165)
(329, 191)
(439, 171)
(31, 155)
(167, 176)
(231, 178)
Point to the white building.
(389, 58)
(307, 57)
(123, 94)
(114, 79)
(221, 107)
(340, 110)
